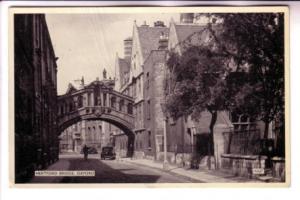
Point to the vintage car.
(108, 152)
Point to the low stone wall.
(121, 153)
(278, 170)
(139, 155)
(182, 159)
(242, 165)
(149, 157)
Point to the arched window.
(129, 108)
(121, 104)
(113, 102)
(80, 103)
(70, 106)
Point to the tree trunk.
(213, 120)
(266, 132)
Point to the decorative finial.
(82, 81)
(104, 73)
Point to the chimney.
(145, 24)
(163, 42)
(127, 47)
(187, 18)
(159, 24)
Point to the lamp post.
(163, 106)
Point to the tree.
(196, 84)
(256, 44)
(246, 44)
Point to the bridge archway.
(97, 101)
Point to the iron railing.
(245, 142)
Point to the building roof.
(149, 37)
(202, 126)
(183, 31)
(194, 34)
(71, 89)
(105, 83)
(124, 65)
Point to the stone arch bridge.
(97, 101)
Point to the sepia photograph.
(150, 95)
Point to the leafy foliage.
(197, 81)
(241, 69)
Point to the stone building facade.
(130, 76)
(93, 133)
(150, 46)
(35, 69)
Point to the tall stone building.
(147, 78)
(145, 75)
(35, 69)
(130, 75)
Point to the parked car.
(108, 152)
(91, 150)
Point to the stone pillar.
(92, 99)
(219, 142)
(108, 99)
(117, 103)
(83, 131)
(85, 99)
(101, 96)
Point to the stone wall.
(242, 165)
(219, 142)
(122, 153)
(278, 170)
(181, 159)
(139, 155)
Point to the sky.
(88, 43)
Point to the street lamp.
(163, 106)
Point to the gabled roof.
(202, 126)
(183, 31)
(106, 83)
(149, 37)
(71, 89)
(194, 34)
(124, 65)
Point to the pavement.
(200, 175)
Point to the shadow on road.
(105, 173)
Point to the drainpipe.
(165, 164)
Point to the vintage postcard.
(133, 96)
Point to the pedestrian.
(85, 152)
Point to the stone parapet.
(278, 169)
(139, 155)
(243, 165)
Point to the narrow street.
(109, 171)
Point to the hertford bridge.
(97, 101)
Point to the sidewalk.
(207, 176)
